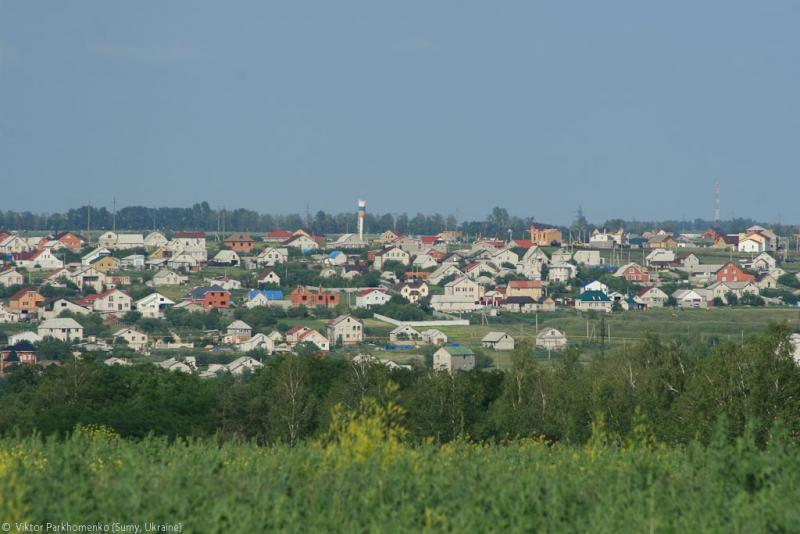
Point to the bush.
(749, 299)
(789, 280)
(132, 317)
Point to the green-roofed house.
(453, 359)
(594, 300)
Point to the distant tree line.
(202, 216)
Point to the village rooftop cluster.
(55, 281)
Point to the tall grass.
(361, 477)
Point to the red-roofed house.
(303, 334)
(731, 272)
(524, 288)
(72, 241)
(373, 296)
(633, 272)
(43, 260)
(277, 235)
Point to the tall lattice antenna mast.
(716, 202)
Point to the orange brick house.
(304, 296)
(22, 353)
(210, 297)
(731, 272)
(240, 242)
(544, 237)
(26, 300)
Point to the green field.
(622, 328)
(364, 478)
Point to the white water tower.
(362, 211)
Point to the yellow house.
(106, 264)
(524, 288)
(755, 236)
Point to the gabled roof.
(594, 296)
(200, 292)
(730, 239)
(295, 329)
(239, 237)
(94, 296)
(128, 329)
(365, 292)
(10, 270)
(458, 351)
(269, 294)
(521, 300)
(104, 257)
(494, 337)
(660, 238)
(342, 318)
(60, 322)
(279, 234)
(26, 256)
(309, 332)
(297, 237)
(19, 294)
(190, 235)
(458, 281)
(645, 290)
(389, 249)
(403, 328)
(525, 284)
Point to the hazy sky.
(632, 109)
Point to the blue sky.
(632, 109)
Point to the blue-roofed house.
(337, 257)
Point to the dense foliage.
(678, 388)
(361, 476)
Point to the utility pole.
(602, 336)
(114, 216)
